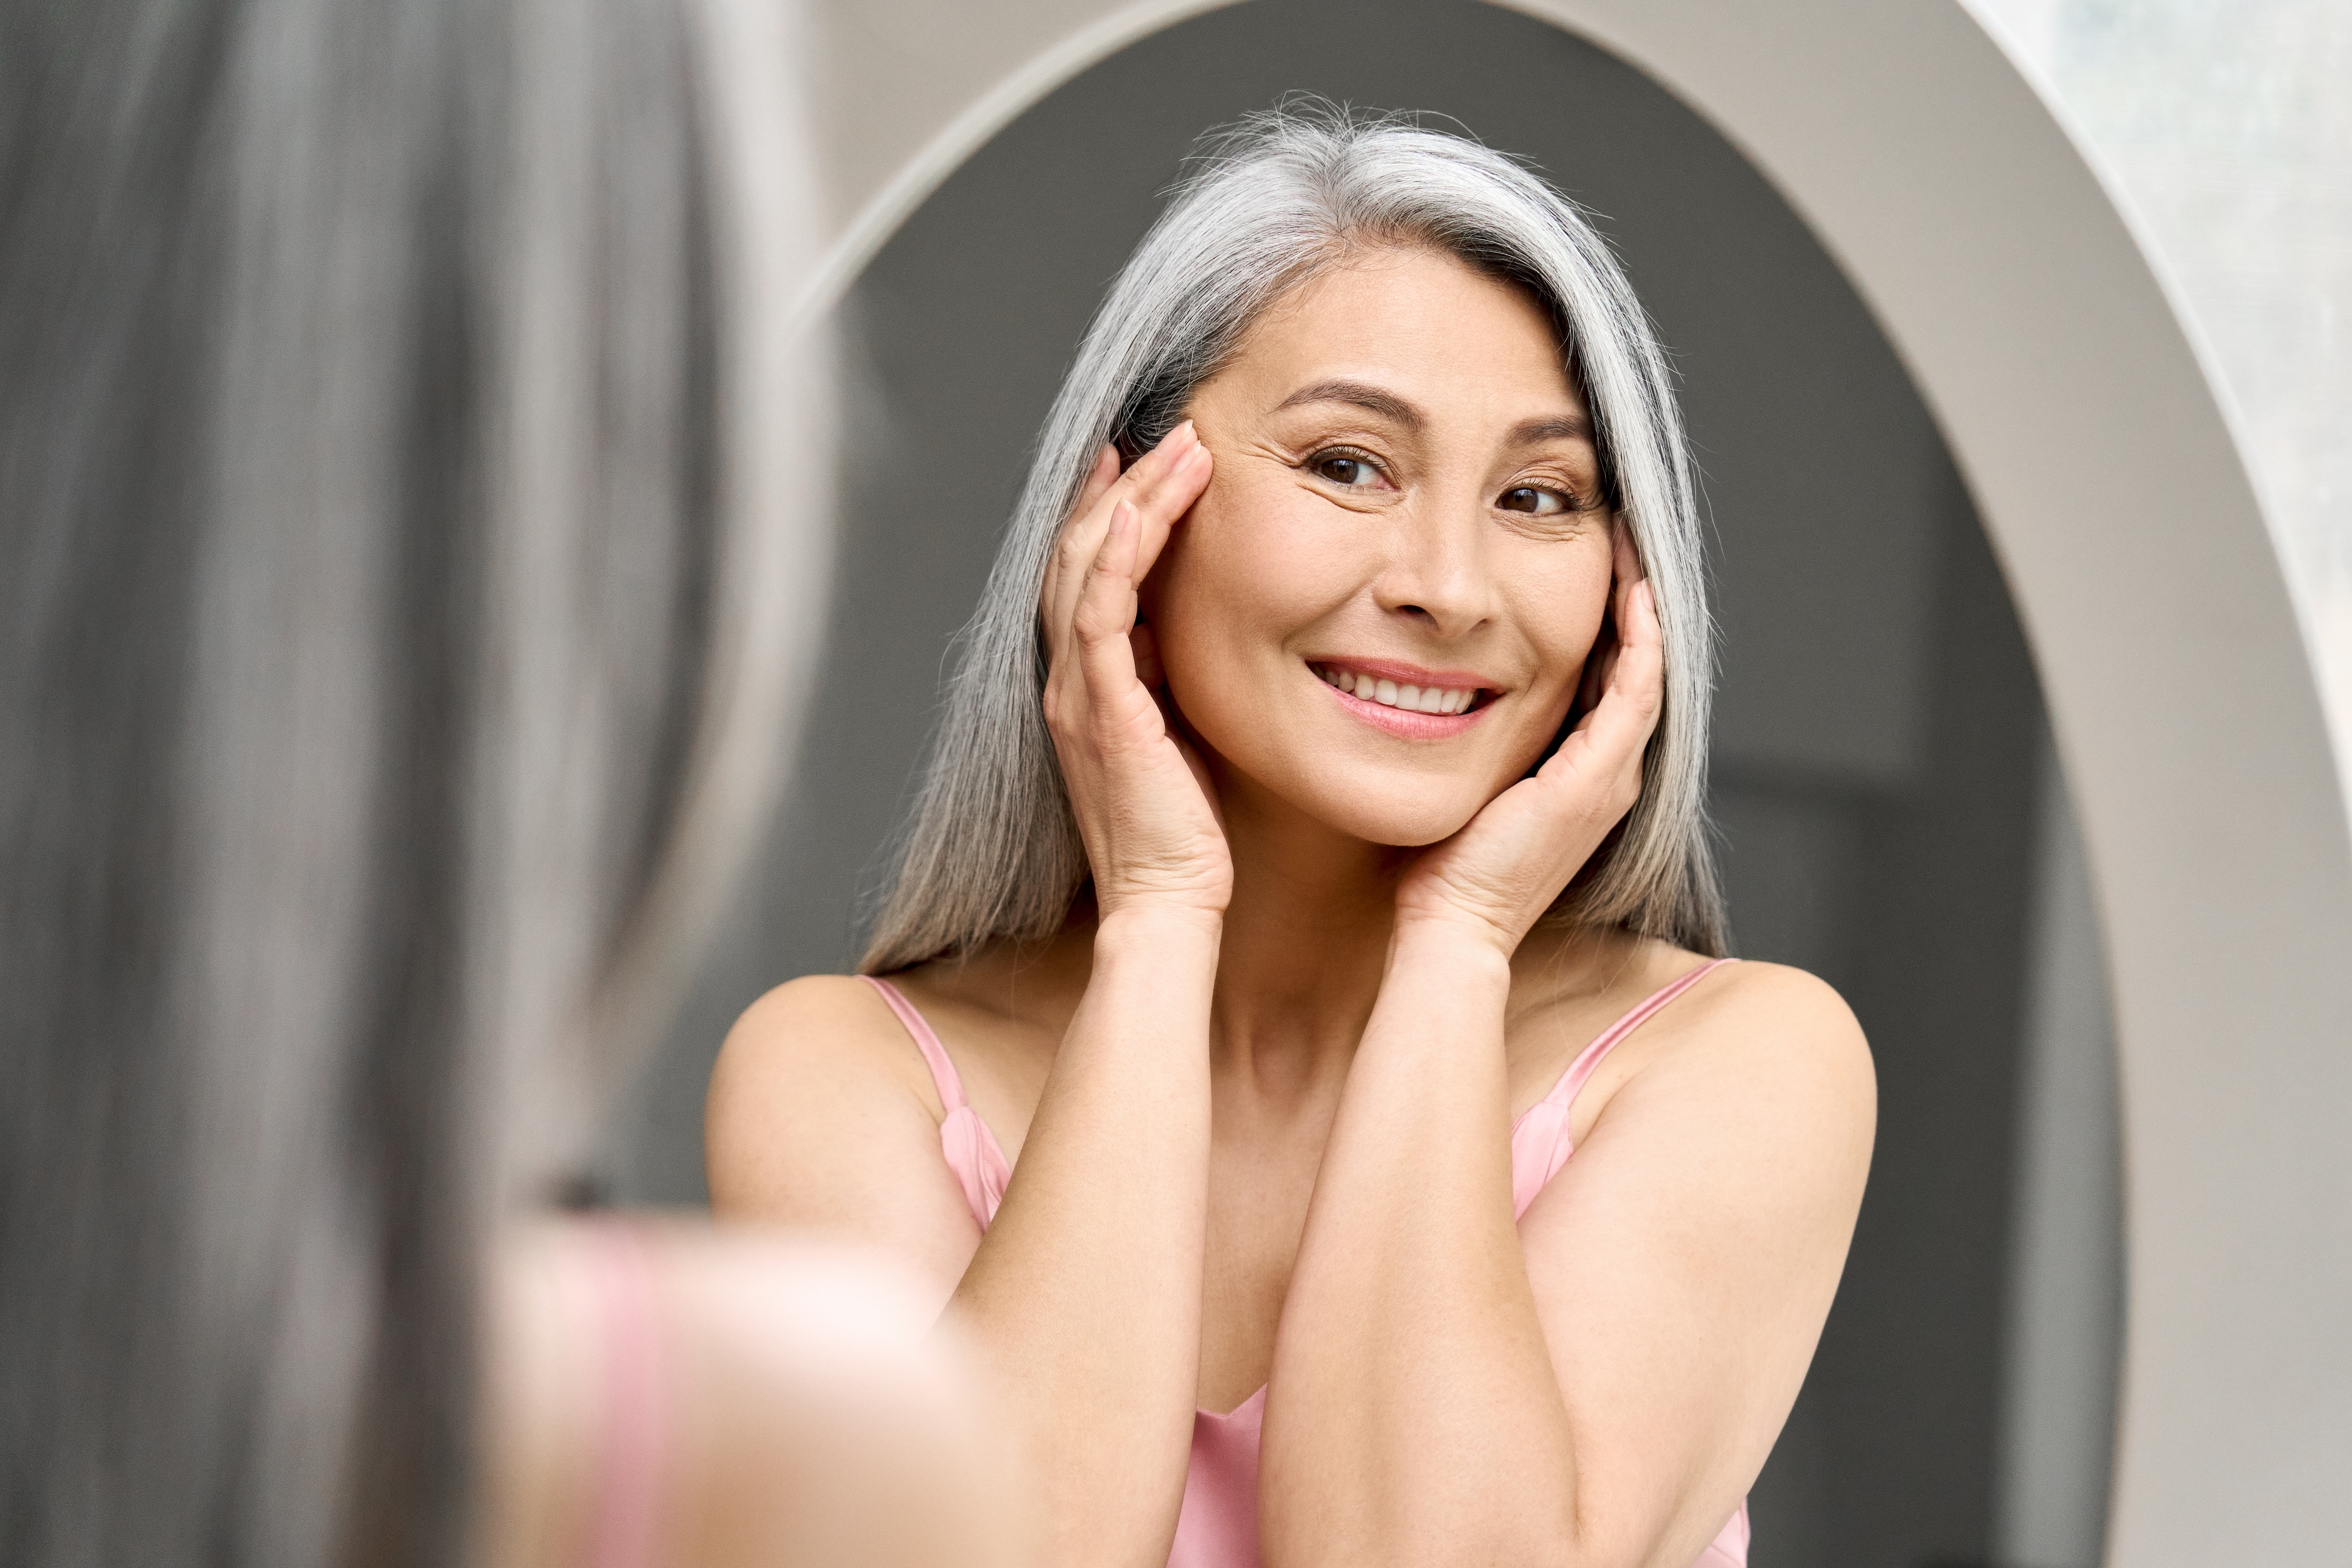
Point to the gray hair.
(992, 851)
(380, 678)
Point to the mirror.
(1892, 813)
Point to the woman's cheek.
(1192, 600)
(1248, 568)
(1563, 643)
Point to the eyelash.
(1343, 454)
(1571, 503)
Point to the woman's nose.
(1436, 571)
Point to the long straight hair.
(378, 686)
(992, 852)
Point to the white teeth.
(1389, 694)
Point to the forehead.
(1419, 320)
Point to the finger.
(1099, 480)
(1601, 663)
(1165, 504)
(1143, 478)
(1640, 673)
(1625, 565)
(1083, 535)
(1104, 613)
(1611, 738)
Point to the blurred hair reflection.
(389, 664)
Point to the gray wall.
(1875, 773)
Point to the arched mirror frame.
(2186, 712)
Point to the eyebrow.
(1387, 405)
(1552, 427)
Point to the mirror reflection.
(1890, 817)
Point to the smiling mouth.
(1405, 699)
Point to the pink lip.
(1398, 721)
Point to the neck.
(1306, 941)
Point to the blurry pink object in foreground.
(660, 1394)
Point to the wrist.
(1462, 948)
(1157, 932)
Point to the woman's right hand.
(1141, 797)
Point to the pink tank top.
(1218, 1525)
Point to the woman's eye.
(1342, 469)
(1531, 498)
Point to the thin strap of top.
(943, 1072)
(1572, 1082)
(971, 1150)
(1539, 1142)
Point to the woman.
(1353, 609)
(406, 552)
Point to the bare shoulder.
(812, 1033)
(821, 1114)
(1784, 1017)
(1778, 1043)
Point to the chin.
(1402, 817)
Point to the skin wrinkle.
(1255, 549)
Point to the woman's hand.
(1141, 797)
(1497, 876)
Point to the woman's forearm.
(1085, 1297)
(1414, 1415)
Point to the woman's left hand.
(1497, 877)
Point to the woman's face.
(1378, 610)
